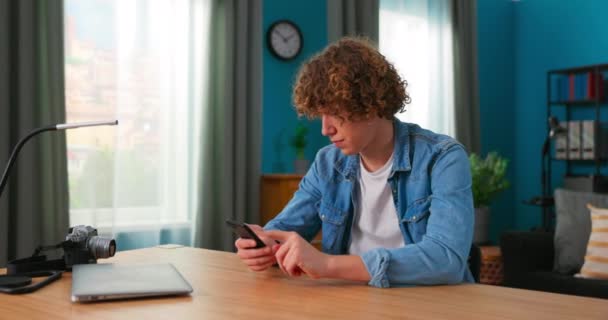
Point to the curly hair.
(349, 79)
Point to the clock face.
(284, 40)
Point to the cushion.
(573, 227)
(596, 259)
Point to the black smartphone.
(242, 230)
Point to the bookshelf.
(582, 87)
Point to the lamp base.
(541, 201)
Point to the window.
(141, 62)
(416, 36)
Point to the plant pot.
(301, 166)
(482, 224)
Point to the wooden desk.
(225, 289)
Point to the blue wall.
(495, 46)
(549, 35)
(279, 117)
(520, 41)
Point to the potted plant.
(298, 142)
(489, 179)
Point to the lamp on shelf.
(545, 200)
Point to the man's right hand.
(257, 259)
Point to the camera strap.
(34, 264)
(22, 283)
(20, 272)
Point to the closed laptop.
(106, 281)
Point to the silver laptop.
(107, 281)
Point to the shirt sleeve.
(301, 212)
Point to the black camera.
(82, 245)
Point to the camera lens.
(102, 247)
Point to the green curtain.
(352, 18)
(34, 206)
(230, 155)
(466, 81)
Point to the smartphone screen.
(243, 231)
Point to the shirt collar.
(349, 166)
(401, 162)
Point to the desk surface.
(225, 289)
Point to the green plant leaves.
(489, 177)
(298, 140)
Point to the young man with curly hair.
(393, 200)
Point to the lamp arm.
(543, 166)
(15, 153)
(63, 126)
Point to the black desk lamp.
(545, 200)
(64, 126)
(21, 283)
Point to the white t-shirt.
(375, 224)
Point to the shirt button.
(414, 218)
(322, 216)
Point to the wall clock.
(284, 39)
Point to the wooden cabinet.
(276, 191)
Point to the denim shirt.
(431, 184)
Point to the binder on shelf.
(571, 86)
(561, 143)
(564, 88)
(594, 86)
(556, 88)
(574, 140)
(589, 141)
(591, 85)
(580, 86)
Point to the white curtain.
(416, 35)
(143, 63)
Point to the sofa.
(553, 261)
(528, 262)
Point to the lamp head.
(65, 126)
(554, 127)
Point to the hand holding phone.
(243, 231)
